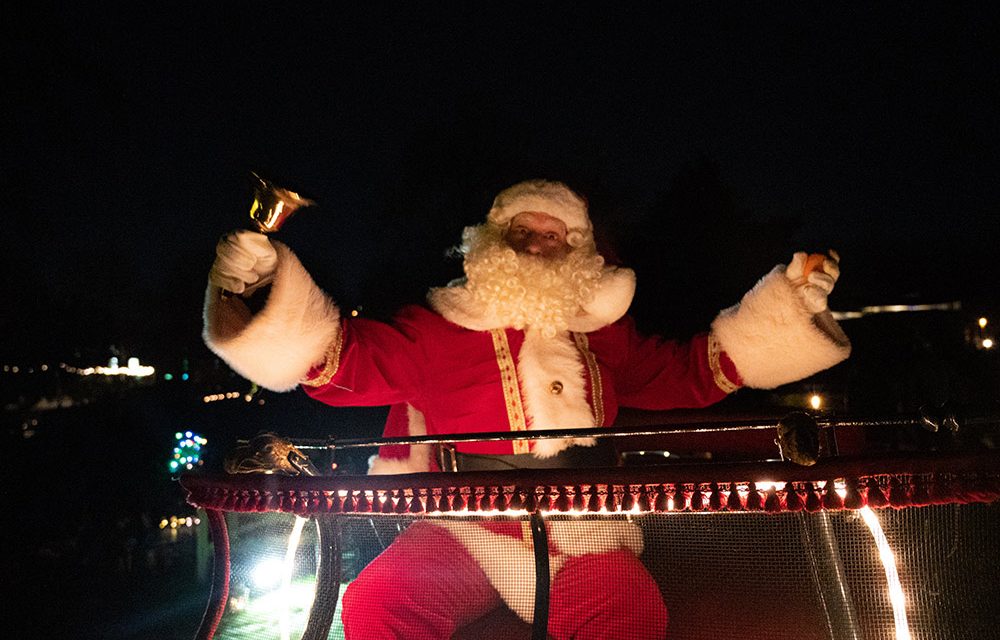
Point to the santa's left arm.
(782, 331)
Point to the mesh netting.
(274, 557)
(822, 575)
(929, 572)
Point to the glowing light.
(987, 343)
(168, 377)
(815, 401)
(179, 521)
(133, 369)
(896, 596)
(982, 323)
(267, 573)
(897, 308)
(214, 397)
(238, 603)
(762, 487)
(187, 451)
(288, 568)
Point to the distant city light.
(815, 401)
(896, 308)
(215, 397)
(168, 377)
(987, 343)
(982, 323)
(175, 522)
(133, 369)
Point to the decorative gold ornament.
(798, 438)
(269, 453)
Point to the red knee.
(608, 596)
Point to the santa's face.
(539, 234)
(527, 275)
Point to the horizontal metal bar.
(546, 434)
(689, 427)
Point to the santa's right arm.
(299, 337)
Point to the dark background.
(723, 139)
(712, 141)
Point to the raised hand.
(814, 276)
(244, 262)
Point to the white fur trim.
(541, 363)
(415, 463)
(276, 347)
(578, 537)
(612, 299)
(509, 564)
(419, 458)
(542, 196)
(773, 339)
(457, 305)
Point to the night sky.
(129, 134)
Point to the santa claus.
(536, 336)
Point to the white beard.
(522, 291)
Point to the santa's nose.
(534, 245)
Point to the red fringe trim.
(411, 494)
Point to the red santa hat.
(545, 196)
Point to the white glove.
(815, 286)
(244, 262)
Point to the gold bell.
(272, 205)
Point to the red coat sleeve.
(657, 374)
(379, 363)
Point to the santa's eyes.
(522, 232)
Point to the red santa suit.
(450, 368)
(447, 372)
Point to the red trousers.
(425, 585)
